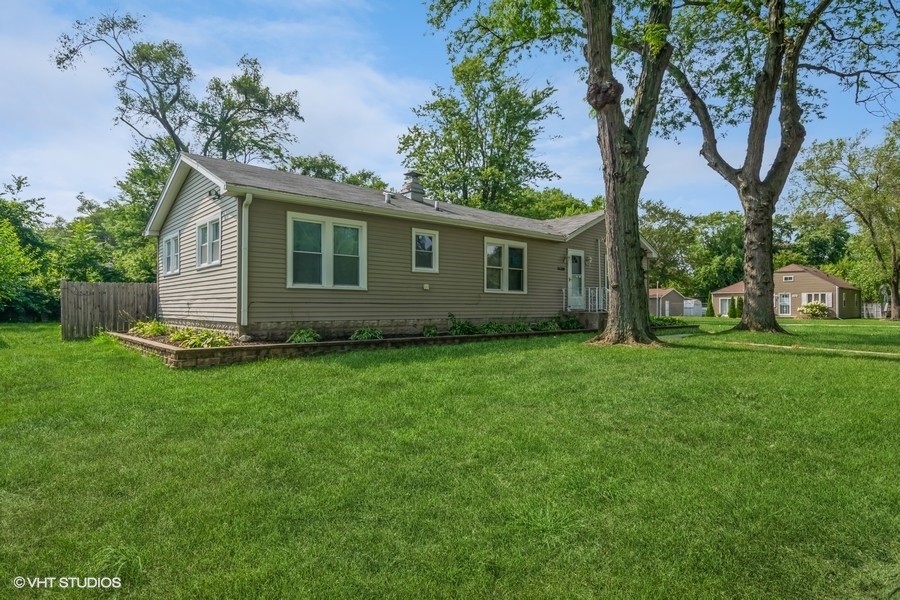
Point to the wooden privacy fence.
(87, 308)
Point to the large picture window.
(170, 255)
(325, 252)
(209, 243)
(505, 266)
(424, 251)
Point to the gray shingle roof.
(238, 177)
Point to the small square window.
(788, 278)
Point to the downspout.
(837, 303)
(245, 234)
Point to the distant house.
(796, 285)
(666, 302)
(259, 251)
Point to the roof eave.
(436, 218)
(180, 171)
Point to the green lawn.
(531, 468)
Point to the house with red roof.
(797, 285)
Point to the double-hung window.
(170, 252)
(424, 251)
(209, 242)
(505, 266)
(325, 252)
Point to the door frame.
(569, 254)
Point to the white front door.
(576, 279)
(784, 304)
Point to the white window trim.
(787, 278)
(328, 224)
(826, 298)
(434, 250)
(201, 225)
(504, 286)
(172, 236)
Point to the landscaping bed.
(178, 357)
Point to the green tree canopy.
(848, 177)
(238, 119)
(325, 166)
(474, 144)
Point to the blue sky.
(359, 66)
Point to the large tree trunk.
(895, 293)
(759, 281)
(628, 320)
(623, 149)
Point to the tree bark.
(623, 148)
(759, 280)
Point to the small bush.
(492, 327)
(710, 311)
(462, 327)
(304, 336)
(732, 308)
(367, 333)
(429, 331)
(199, 338)
(658, 321)
(739, 309)
(569, 322)
(518, 327)
(814, 310)
(546, 325)
(152, 328)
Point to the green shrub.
(814, 310)
(518, 327)
(199, 338)
(739, 309)
(151, 328)
(462, 327)
(732, 308)
(657, 321)
(710, 311)
(492, 327)
(304, 336)
(569, 322)
(429, 331)
(546, 325)
(367, 333)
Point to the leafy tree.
(778, 55)
(239, 119)
(672, 234)
(717, 252)
(25, 215)
(80, 256)
(849, 177)
(509, 29)
(474, 143)
(15, 268)
(324, 166)
(551, 203)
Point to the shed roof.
(734, 288)
(238, 179)
(662, 292)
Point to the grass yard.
(523, 469)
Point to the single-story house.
(262, 252)
(666, 302)
(796, 285)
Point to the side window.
(209, 243)
(170, 251)
(424, 251)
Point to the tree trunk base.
(626, 339)
(760, 327)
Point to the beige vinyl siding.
(394, 290)
(808, 283)
(205, 294)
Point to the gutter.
(245, 269)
